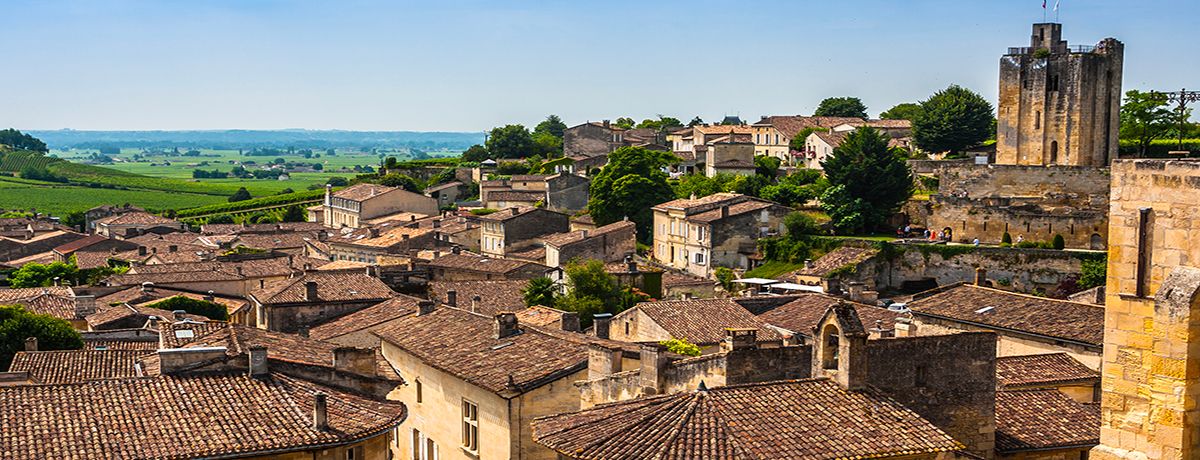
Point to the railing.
(1078, 49)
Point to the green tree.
(511, 141)
(220, 219)
(539, 291)
(285, 191)
(337, 181)
(548, 145)
(696, 121)
(798, 223)
(700, 185)
(1145, 117)
(591, 290)
(868, 182)
(294, 213)
(628, 186)
(624, 123)
(841, 107)
(661, 124)
(240, 195)
(797, 142)
(210, 310)
(725, 277)
(34, 274)
(1058, 242)
(953, 119)
(552, 125)
(476, 153)
(1092, 273)
(17, 324)
(903, 111)
(21, 141)
(401, 180)
(767, 166)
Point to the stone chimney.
(583, 234)
(320, 411)
(475, 303)
(374, 232)
(570, 321)
(505, 325)
(856, 291)
(808, 264)
(31, 344)
(425, 307)
(355, 360)
(981, 276)
(630, 265)
(831, 286)
(455, 249)
(310, 291)
(602, 361)
(258, 361)
(605, 123)
(141, 250)
(84, 305)
(653, 367)
(515, 211)
(601, 323)
(147, 286)
(451, 297)
(724, 211)
(177, 315)
(302, 331)
(740, 338)
(905, 327)
(208, 296)
(881, 332)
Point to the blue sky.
(468, 66)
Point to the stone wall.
(1022, 270)
(1085, 185)
(609, 246)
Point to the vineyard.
(15, 161)
(276, 201)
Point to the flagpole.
(1056, 10)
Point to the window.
(1037, 120)
(354, 453)
(470, 424)
(420, 392)
(1144, 234)
(700, 258)
(423, 448)
(700, 232)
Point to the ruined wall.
(1021, 270)
(949, 379)
(1082, 184)
(990, 219)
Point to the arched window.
(1054, 152)
(829, 354)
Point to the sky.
(468, 66)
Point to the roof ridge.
(689, 411)
(1031, 296)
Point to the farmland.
(59, 199)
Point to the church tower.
(1059, 103)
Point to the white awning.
(762, 281)
(797, 287)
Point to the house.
(357, 329)
(483, 297)
(353, 206)
(474, 382)
(677, 285)
(130, 224)
(610, 243)
(473, 267)
(729, 156)
(796, 319)
(836, 264)
(1025, 324)
(695, 235)
(149, 294)
(693, 145)
(371, 244)
(92, 251)
(34, 246)
(700, 322)
(513, 229)
(99, 212)
(895, 129)
(818, 146)
(57, 301)
(560, 191)
(1044, 424)
(224, 276)
(773, 135)
(1058, 371)
(314, 297)
(447, 194)
(592, 139)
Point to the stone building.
(133, 223)
(1152, 313)
(353, 206)
(773, 135)
(305, 300)
(373, 244)
(514, 229)
(560, 191)
(730, 156)
(1059, 104)
(700, 322)
(610, 243)
(696, 235)
(474, 267)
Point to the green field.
(61, 199)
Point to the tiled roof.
(540, 316)
(386, 235)
(703, 321)
(126, 316)
(562, 239)
(437, 188)
(837, 258)
(802, 314)
(230, 229)
(797, 419)
(205, 270)
(79, 244)
(71, 366)
(515, 196)
(735, 209)
(673, 278)
(883, 124)
(360, 192)
(119, 344)
(12, 295)
(1047, 369)
(687, 204)
(1058, 319)
(478, 263)
(180, 417)
(47, 303)
(494, 296)
(135, 218)
(461, 343)
(723, 129)
(833, 139)
(1043, 419)
(332, 286)
(791, 125)
(273, 240)
(366, 319)
(137, 296)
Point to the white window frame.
(470, 426)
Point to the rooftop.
(494, 296)
(478, 263)
(332, 286)
(360, 192)
(135, 218)
(563, 239)
(1043, 419)
(703, 321)
(366, 319)
(802, 314)
(71, 366)
(837, 258)
(1038, 370)
(791, 125)
(1058, 319)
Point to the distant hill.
(237, 139)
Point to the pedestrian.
(1020, 238)
(976, 242)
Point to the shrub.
(1006, 239)
(725, 276)
(681, 347)
(210, 310)
(17, 324)
(1092, 273)
(1058, 242)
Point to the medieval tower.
(1058, 103)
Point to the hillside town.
(1023, 297)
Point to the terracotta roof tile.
(837, 258)
(540, 316)
(368, 318)
(70, 366)
(478, 263)
(791, 125)
(1043, 419)
(135, 218)
(1058, 319)
(50, 303)
(518, 196)
(360, 192)
(802, 314)
(332, 286)
(1047, 369)
(494, 296)
(703, 321)
(801, 419)
(120, 344)
(563, 239)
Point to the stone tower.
(1058, 103)
(1151, 369)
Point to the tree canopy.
(591, 290)
(21, 141)
(552, 125)
(868, 182)
(511, 141)
(539, 291)
(1145, 117)
(953, 119)
(661, 124)
(628, 186)
(403, 181)
(210, 310)
(624, 122)
(17, 324)
(797, 142)
(34, 274)
(903, 111)
(294, 213)
(841, 107)
(476, 153)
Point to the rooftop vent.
(985, 310)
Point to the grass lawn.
(772, 269)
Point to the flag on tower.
(1043, 4)
(1055, 4)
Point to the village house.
(231, 276)
(514, 229)
(56, 301)
(311, 298)
(818, 146)
(796, 319)
(474, 383)
(589, 144)
(99, 212)
(729, 156)
(700, 322)
(610, 243)
(483, 297)
(93, 251)
(134, 223)
(33, 241)
(772, 135)
(371, 245)
(447, 194)
(560, 191)
(1057, 371)
(694, 146)
(353, 206)
(834, 265)
(696, 235)
(458, 266)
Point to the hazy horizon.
(133, 65)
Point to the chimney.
(310, 291)
(451, 297)
(177, 315)
(147, 286)
(320, 411)
(172, 248)
(981, 276)
(404, 237)
(374, 232)
(831, 286)
(31, 344)
(740, 338)
(653, 367)
(880, 332)
(437, 224)
(605, 122)
(475, 303)
(84, 305)
(455, 250)
(258, 361)
(602, 361)
(856, 292)
(570, 321)
(425, 307)
(724, 211)
(302, 331)
(208, 296)
(630, 265)
(515, 211)
(601, 323)
(154, 250)
(328, 194)
(583, 234)
(238, 270)
(905, 327)
(412, 218)
(808, 264)
(141, 250)
(505, 325)
(355, 360)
